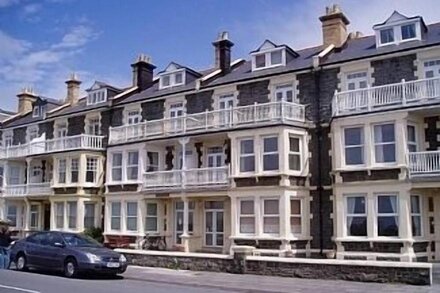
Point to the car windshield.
(80, 240)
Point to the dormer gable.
(270, 55)
(399, 28)
(39, 108)
(100, 92)
(176, 75)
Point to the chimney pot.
(223, 52)
(334, 26)
(143, 70)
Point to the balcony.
(42, 188)
(244, 116)
(68, 143)
(424, 164)
(187, 179)
(391, 96)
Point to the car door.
(33, 249)
(51, 256)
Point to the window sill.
(370, 168)
(374, 239)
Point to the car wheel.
(70, 268)
(21, 262)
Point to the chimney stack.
(143, 69)
(223, 52)
(25, 100)
(334, 26)
(73, 89)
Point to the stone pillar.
(405, 231)
(52, 215)
(27, 215)
(185, 234)
(284, 206)
(28, 172)
(339, 222)
(436, 224)
(5, 174)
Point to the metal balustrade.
(42, 188)
(425, 163)
(390, 96)
(256, 114)
(82, 141)
(182, 179)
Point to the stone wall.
(253, 92)
(393, 70)
(76, 125)
(431, 133)
(353, 176)
(361, 271)
(153, 110)
(46, 127)
(199, 102)
(19, 136)
(117, 117)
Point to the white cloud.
(44, 69)
(32, 8)
(297, 23)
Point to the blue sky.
(42, 42)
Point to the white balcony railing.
(82, 141)
(183, 179)
(42, 188)
(424, 163)
(210, 121)
(390, 96)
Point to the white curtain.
(351, 204)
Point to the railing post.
(403, 92)
(335, 103)
(255, 112)
(282, 110)
(369, 98)
(206, 118)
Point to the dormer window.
(172, 79)
(38, 111)
(399, 28)
(97, 97)
(269, 55)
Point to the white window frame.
(92, 165)
(8, 138)
(397, 32)
(294, 153)
(97, 96)
(32, 132)
(36, 215)
(298, 216)
(384, 143)
(112, 216)
(12, 215)
(266, 216)
(240, 216)
(268, 60)
(362, 146)
(92, 122)
(387, 214)
(149, 216)
(358, 215)
(356, 77)
(419, 215)
(131, 217)
(86, 217)
(283, 88)
(59, 160)
(191, 209)
(74, 168)
(151, 166)
(133, 115)
(72, 216)
(58, 216)
(245, 155)
(431, 65)
(415, 142)
(129, 166)
(118, 167)
(269, 153)
(61, 128)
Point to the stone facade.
(153, 110)
(19, 136)
(394, 70)
(253, 92)
(76, 125)
(199, 102)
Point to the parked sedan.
(67, 252)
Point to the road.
(154, 280)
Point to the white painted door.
(176, 120)
(226, 104)
(215, 159)
(432, 71)
(214, 223)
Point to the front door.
(176, 120)
(226, 103)
(46, 215)
(214, 223)
(432, 73)
(215, 160)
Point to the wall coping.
(174, 253)
(372, 263)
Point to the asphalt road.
(158, 280)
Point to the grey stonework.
(105, 124)
(262, 181)
(117, 117)
(393, 70)
(47, 128)
(199, 102)
(240, 264)
(153, 110)
(19, 136)
(431, 133)
(327, 222)
(353, 176)
(169, 157)
(383, 247)
(253, 92)
(76, 125)
(123, 188)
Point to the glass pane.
(132, 209)
(295, 207)
(295, 225)
(387, 204)
(356, 226)
(295, 162)
(214, 205)
(415, 204)
(209, 225)
(271, 207)
(116, 209)
(247, 207)
(275, 57)
(408, 31)
(219, 240)
(247, 225)
(356, 205)
(294, 144)
(260, 61)
(416, 225)
(247, 164)
(353, 136)
(271, 225)
(151, 209)
(247, 146)
(354, 156)
(387, 226)
(151, 224)
(270, 162)
(384, 133)
(117, 174)
(209, 239)
(385, 153)
(116, 223)
(386, 36)
(132, 224)
(271, 144)
(411, 133)
(219, 222)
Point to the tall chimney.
(334, 26)
(73, 89)
(143, 69)
(223, 52)
(25, 100)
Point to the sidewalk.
(263, 284)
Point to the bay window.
(271, 216)
(133, 165)
(151, 224)
(270, 153)
(247, 155)
(247, 217)
(356, 215)
(295, 217)
(89, 215)
(72, 211)
(131, 216)
(115, 222)
(59, 215)
(384, 143)
(416, 216)
(387, 215)
(116, 167)
(354, 146)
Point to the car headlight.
(122, 258)
(93, 257)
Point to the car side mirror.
(59, 245)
